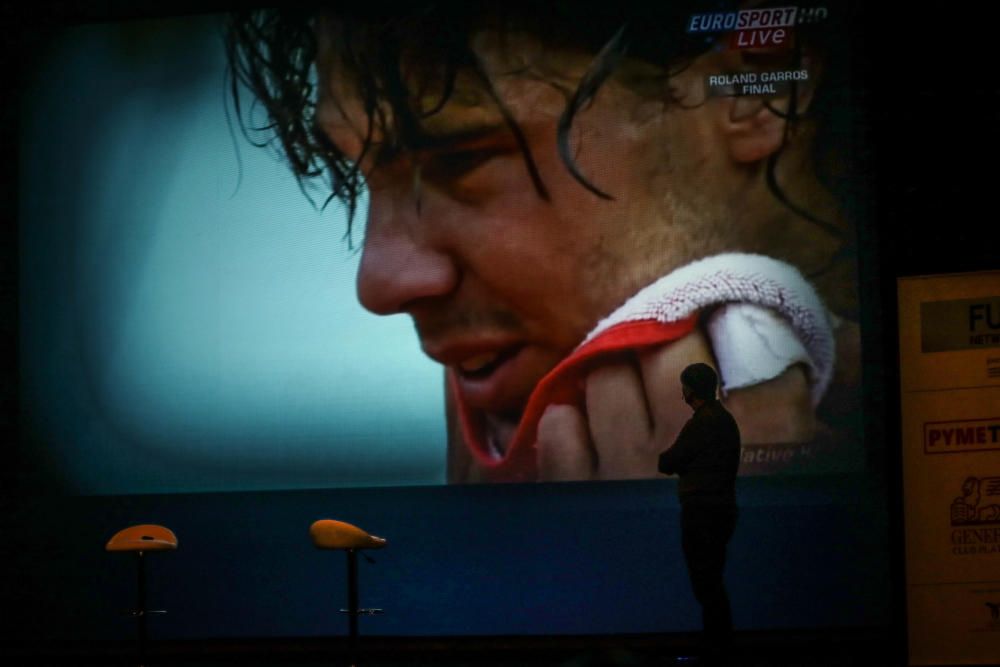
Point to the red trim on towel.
(563, 385)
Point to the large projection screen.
(193, 319)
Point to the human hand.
(634, 411)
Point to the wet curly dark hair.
(272, 54)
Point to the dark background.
(477, 560)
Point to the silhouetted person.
(706, 456)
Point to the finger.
(564, 448)
(778, 410)
(661, 368)
(619, 421)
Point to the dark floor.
(840, 649)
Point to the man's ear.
(754, 128)
(751, 129)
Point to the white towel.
(762, 317)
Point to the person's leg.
(705, 533)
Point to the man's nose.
(402, 261)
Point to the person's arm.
(676, 459)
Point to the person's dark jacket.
(706, 456)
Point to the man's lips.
(491, 376)
(468, 355)
(484, 364)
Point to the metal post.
(141, 611)
(352, 604)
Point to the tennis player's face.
(502, 282)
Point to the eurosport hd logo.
(975, 517)
(763, 28)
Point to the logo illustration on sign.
(975, 518)
(979, 503)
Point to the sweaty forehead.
(341, 114)
(518, 69)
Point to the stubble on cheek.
(612, 273)
(653, 234)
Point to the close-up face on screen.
(282, 250)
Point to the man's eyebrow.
(439, 138)
(434, 137)
(436, 134)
